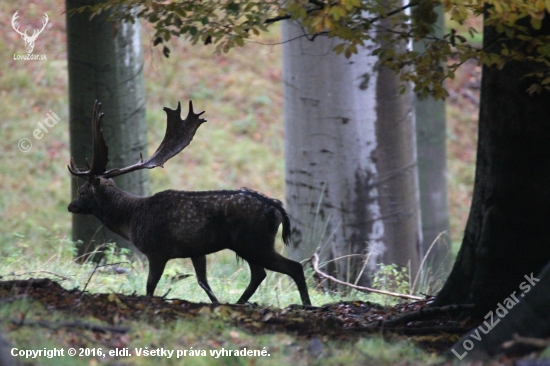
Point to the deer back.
(186, 224)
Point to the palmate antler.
(179, 134)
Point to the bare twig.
(315, 262)
(96, 268)
(425, 258)
(321, 6)
(526, 341)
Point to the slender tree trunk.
(350, 158)
(105, 63)
(507, 235)
(432, 168)
(6, 359)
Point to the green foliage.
(388, 25)
(390, 277)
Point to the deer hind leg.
(257, 275)
(275, 262)
(156, 267)
(200, 270)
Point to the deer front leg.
(156, 267)
(257, 275)
(200, 270)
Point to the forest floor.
(117, 329)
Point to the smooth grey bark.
(432, 170)
(351, 175)
(6, 359)
(105, 63)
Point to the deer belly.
(186, 238)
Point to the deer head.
(179, 134)
(29, 40)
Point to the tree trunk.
(526, 318)
(350, 158)
(432, 168)
(6, 359)
(105, 63)
(507, 234)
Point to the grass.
(241, 145)
(203, 335)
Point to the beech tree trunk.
(350, 155)
(6, 359)
(105, 63)
(507, 235)
(432, 169)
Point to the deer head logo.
(29, 40)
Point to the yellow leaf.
(239, 41)
(534, 89)
(328, 23)
(319, 27)
(339, 48)
(536, 23)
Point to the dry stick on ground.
(526, 341)
(315, 262)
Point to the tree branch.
(320, 6)
(315, 262)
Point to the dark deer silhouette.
(180, 224)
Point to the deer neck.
(116, 209)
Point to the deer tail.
(278, 205)
(286, 226)
(284, 218)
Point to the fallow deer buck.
(180, 224)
